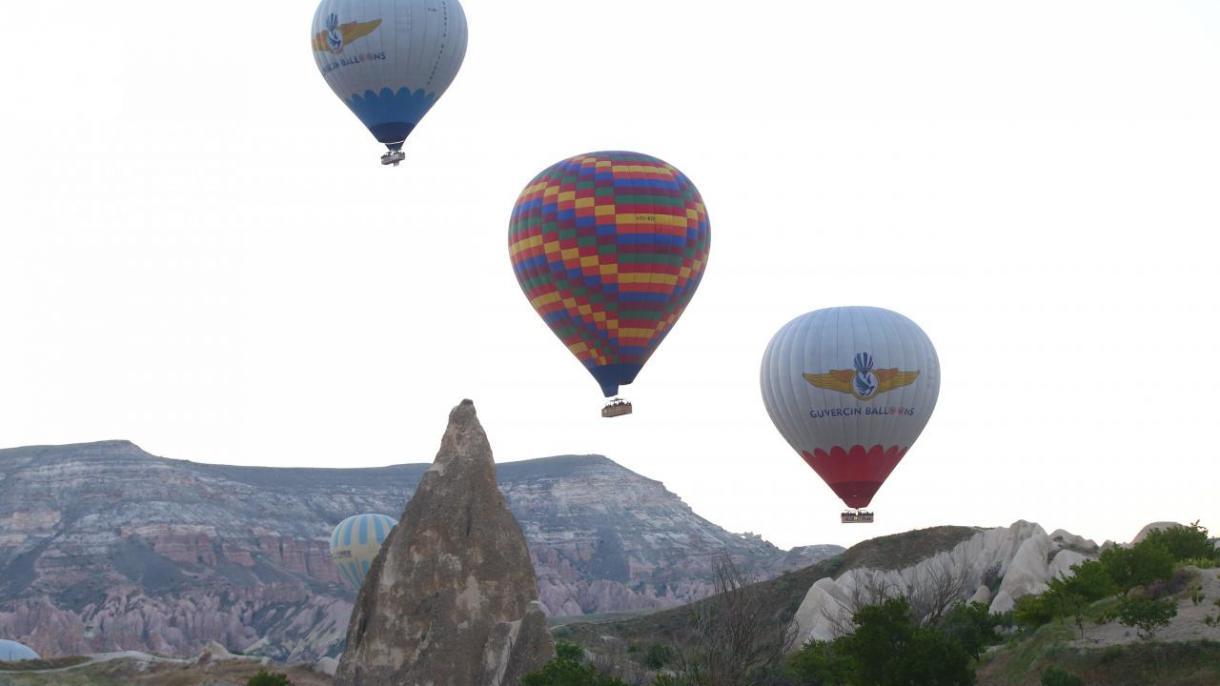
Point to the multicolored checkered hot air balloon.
(609, 247)
(355, 542)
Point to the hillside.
(104, 547)
(782, 595)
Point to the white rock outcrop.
(1155, 526)
(1021, 556)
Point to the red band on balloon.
(856, 473)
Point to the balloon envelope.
(12, 651)
(355, 542)
(389, 60)
(850, 389)
(609, 247)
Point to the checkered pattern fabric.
(609, 247)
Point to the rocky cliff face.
(451, 597)
(994, 567)
(104, 547)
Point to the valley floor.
(144, 670)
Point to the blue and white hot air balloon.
(389, 60)
(850, 389)
(355, 542)
(12, 651)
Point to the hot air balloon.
(12, 651)
(850, 389)
(355, 542)
(609, 247)
(389, 60)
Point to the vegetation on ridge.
(730, 639)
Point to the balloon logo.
(354, 544)
(609, 248)
(389, 61)
(852, 423)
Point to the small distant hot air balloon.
(12, 651)
(609, 247)
(389, 60)
(355, 542)
(850, 389)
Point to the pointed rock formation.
(451, 599)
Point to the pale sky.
(200, 252)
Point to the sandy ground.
(1187, 626)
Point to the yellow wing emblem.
(842, 381)
(889, 379)
(350, 31)
(838, 380)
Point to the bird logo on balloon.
(864, 381)
(336, 35)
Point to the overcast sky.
(200, 253)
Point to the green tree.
(1032, 611)
(889, 649)
(658, 656)
(1185, 542)
(569, 669)
(1092, 581)
(265, 678)
(1142, 564)
(821, 663)
(971, 625)
(1054, 676)
(569, 651)
(1146, 615)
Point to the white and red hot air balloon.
(850, 389)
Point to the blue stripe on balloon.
(347, 531)
(377, 530)
(391, 115)
(363, 537)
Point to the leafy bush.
(972, 626)
(1146, 614)
(1201, 562)
(1032, 611)
(821, 662)
(1055, 676)
(569, 669)
(1142, 564)
(1091, 581)
(888, 648)
(658, 656)
(1184, 542)
(265, 678)
(569, 651)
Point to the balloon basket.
(393, 157)
(856, 517)
(616, 408)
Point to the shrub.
(889, 648)
(1091, 581)
(1032, 611)
(971, 625)
(1184, 542)
(821, 662)
(1146, 615)
(265, 678)
(569, 651)
(1142, 564)
(1054, 676)
(658, 656)
(568, 669)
